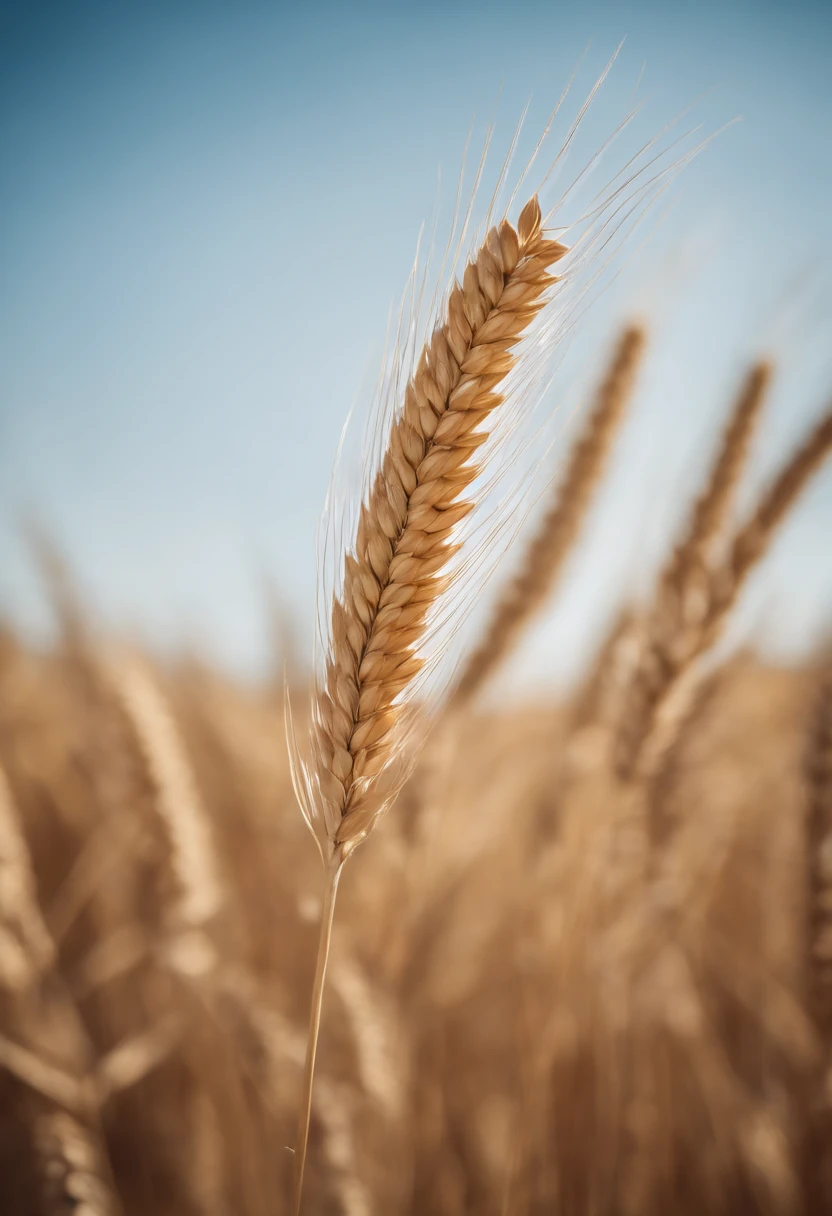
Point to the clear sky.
(207, 208)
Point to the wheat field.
(581, 965)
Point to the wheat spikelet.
(545, 556)
(405, 535)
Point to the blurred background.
(585, 963)
(207, 210)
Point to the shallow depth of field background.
(584, 966)
(207, 209)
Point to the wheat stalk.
(559, 528)
(396, 572)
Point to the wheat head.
(712, 509)
(405, 537)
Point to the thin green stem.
(333, 874)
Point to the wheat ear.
(666, 690)
(405, 535)
(549, 548)
(753, 539)
(712, 509)
(405, 539)
(670, 630)
(199, 894)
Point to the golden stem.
(333, 874)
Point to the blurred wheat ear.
(702, 583)
(704, 577)
(559, 529)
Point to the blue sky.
(206, 210)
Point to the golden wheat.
(435, 1099)
(540, 1033)
(405, 535)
